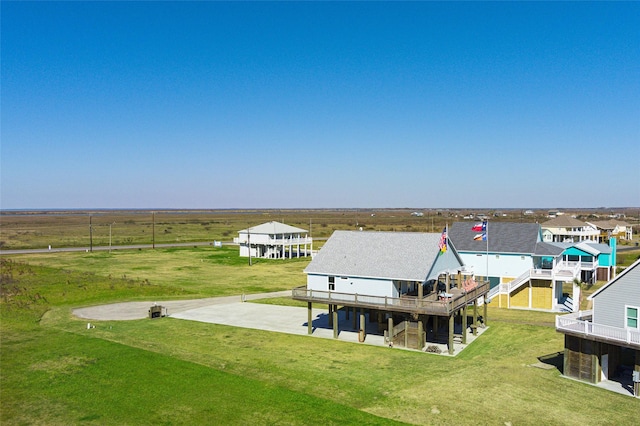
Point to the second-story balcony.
(579, 324)
(431, 304)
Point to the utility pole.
(153, 229)
(90, 235)
(249, 244)
(110, 235)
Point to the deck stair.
(566, 304)
(406, 335)
(510, 286)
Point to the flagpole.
(487, 239)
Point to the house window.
(332, 283)
(631, 317)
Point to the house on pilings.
(603, 344)
(412, 286)
(274, 240)
(527, 273)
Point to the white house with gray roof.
(274, 240)
(379, 263)
(408, 282)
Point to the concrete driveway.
(235, 312)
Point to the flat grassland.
(169, 371)
(28, 230)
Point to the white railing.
(499, 289)
(518, 281)
(589, 266)
(408, 303)
(573, 324)
(507, 288)
(568, 268)
(258, 239)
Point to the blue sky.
(320, 105)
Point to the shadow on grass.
(555, 360)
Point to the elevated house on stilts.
(411, 286)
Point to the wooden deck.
(431, 304)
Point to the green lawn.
(169, 371)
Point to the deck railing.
(404, 303)
(573, 323)
(562, 270)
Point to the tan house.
(564, 229)
(613, 228)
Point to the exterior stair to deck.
(566, 304)
(510, 286)
(406, 335)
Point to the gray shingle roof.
(503, 237)
(548, 249)
(391, 255)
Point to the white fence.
(571, 323)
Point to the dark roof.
(503, 237)
(548, 249)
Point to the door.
(605, 367)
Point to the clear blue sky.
(320, 105)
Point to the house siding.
(353, 285)
(506, 266)
(520, 298)
(541, 294)
(609, 305)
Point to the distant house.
(406, 281)
(604, 343)
(568, 229)
(524, 271)
(274, 240)
(613, 229)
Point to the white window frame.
(626, 317)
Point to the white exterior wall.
(502, 265)
(354, 285)
(274, 244)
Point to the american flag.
(442, 245)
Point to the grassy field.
(19, 230)
(169, 371)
